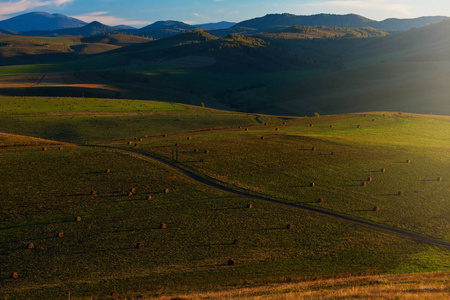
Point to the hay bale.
(164, 135)
(408, 161)
(163, 226)
(265, 124)
(139, 246)
(401, 193)
(129, 194)
(359, 126)
(129, 143)
(311, 125)
(141, 139)
(249, 205)
(331, 126)
(262, 138)
(289, 226)
(320, 200)
(136, 145)
(364, 183)
(246, 129)
(93, 193)
(44, 149)
(332, 153)
(383, 170)
(115, 295)
(60, 148)
(149, 197)
(369, 179)
(312, 184)
(133, 190)
(196, 150)
(313, 148)
(373, 120)
(376, 208)
(14, 275)
(166, 191)
(30, 246)
(206, 151)
(107, 171)
(240, 127)
(189, 138)
(439, 179)
(60, 234)
(277, 129)
(231, 262)
(78, 219)
(284, 123)
(236, 241)
(177, 145)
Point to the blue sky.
(139, 13)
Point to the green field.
(43, 192)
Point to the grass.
(43, 192)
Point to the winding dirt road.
(214, 183)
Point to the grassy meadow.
(43, 192)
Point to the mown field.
(43, 192)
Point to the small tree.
(202, 104)
(316, 114)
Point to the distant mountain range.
(44, 24)
(40, 21)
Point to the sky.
(140, 13)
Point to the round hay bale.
(129, 143)
(139, 246)
(383, 170)
(60, 148)
(115, 295)
(236, 241)
(331, 126)
(163, 226)
(240, 127)
(408, 161)
(107, 171)
(311, 125)
(136, 145)
(401, 193)
(313, 148)
(249, 205)
(14, 275)
(93, 193)
(149, 197)
(439, 179)
(320, 200)
(312, 184)
(369, 179)
(359, 126)
(332, 153)
(164, 135)
(364, 183)
(141, 139)
(376, 208)
(246, 129)
(78, 219)
(129, 194)
(265, 124)
(284, 123)
(365, 115)
(44, 149)
(133, 190)
(189, 138)
(177, 145)
(289, 226)
(166, 191)
(60, 234)
(373, 120)
(277, 129)
(206, 151)
(196, 150)
(262, 138)
(231, 262)
(30, 246)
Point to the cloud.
(11, 7)
(374, 5)
(104, 18)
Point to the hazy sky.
(143, 12)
